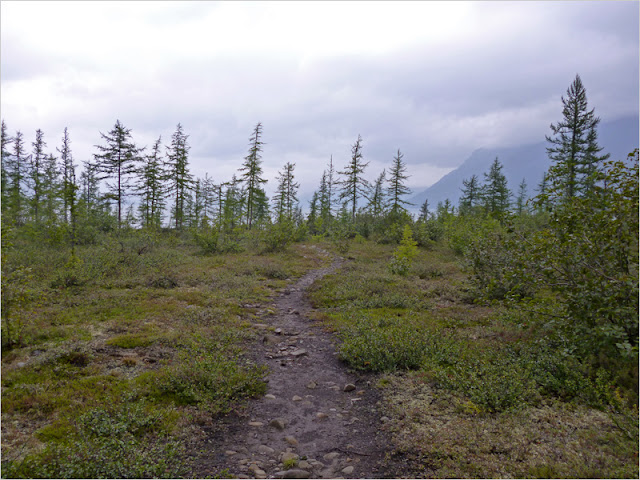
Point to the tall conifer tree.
(573, 146)
(252, 176)
(354, 185)
(117, 162)
(180, 179)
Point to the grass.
(473, 391)
(121, 354)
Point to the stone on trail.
(278, 423)
(296, 473)
(291, 440)
(347, 470)
(288, 456)
(230, 452)
(298, 352)
(265, 450)
(349, 387)
(296, 398)
(321, 415)
(256, 424)
(331, 456)
(312, 385)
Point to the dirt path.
(317, 418)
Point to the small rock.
(270, 339)
(349, 387)
(384, 419)
(296, 473)
(304, 465)
(331, 456)
(288, 456)
(321, 415)
(298, 352)
(264, 450)
(347, 470)
(270, 396)
(360, 392)
(278, 423)
(230, 452)
(296, 398)
(278, 331)
(291, 440)
(312, 385)
(256, 424)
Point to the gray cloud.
(494, 79)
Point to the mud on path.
(317, 420)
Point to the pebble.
(347, 470)
(256, 424)
(278, 423)
(296, 398)
(265, 450)
(288, 456)
(384, 419)
(312, 385)
(278, 331)
(321, 415)
(304, 465)
(349, 387)
(291, 440)
(270, 396)
(299, 352)
(331, 456)
(296, 473)
(230, 452)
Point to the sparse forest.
(500, 329)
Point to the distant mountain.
(618, 138)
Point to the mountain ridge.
(528, 161)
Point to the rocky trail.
(317, 419)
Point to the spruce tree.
(397, 188)
(377, 199)
(68, 175)
(573, 146)
(354, 185)
(117, 162)
(495, 193)
(471, 193)
(286, 197)
(36, 173)
(252, 176)
(16, 168)
(424, 211)
(5, 141)
(151, 186)
(180, 179)
(52, 189)
(521, 199)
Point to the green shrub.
(382, 345)
(206, 375)
(404, 254)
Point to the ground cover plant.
(117, 359)
(475, 388)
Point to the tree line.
(42, 190)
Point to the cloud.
(434, 79)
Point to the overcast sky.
(436, 80)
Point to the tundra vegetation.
(504, 334)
